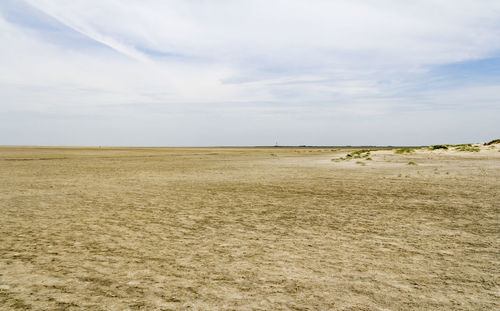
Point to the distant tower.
(276, 145)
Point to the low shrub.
(435, 147)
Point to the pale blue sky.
(195, 73)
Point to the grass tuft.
(467, 147)
(360, 152)
(404, 150)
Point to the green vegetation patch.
(363, 153)
(405, 150)
(467, 147)
(358, 154)
(436, 147)
(494, 141)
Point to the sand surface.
(248, 229)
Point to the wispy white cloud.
(290, 61)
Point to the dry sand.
(248, 229)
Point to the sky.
(245, 73)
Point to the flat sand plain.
(248, 229)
